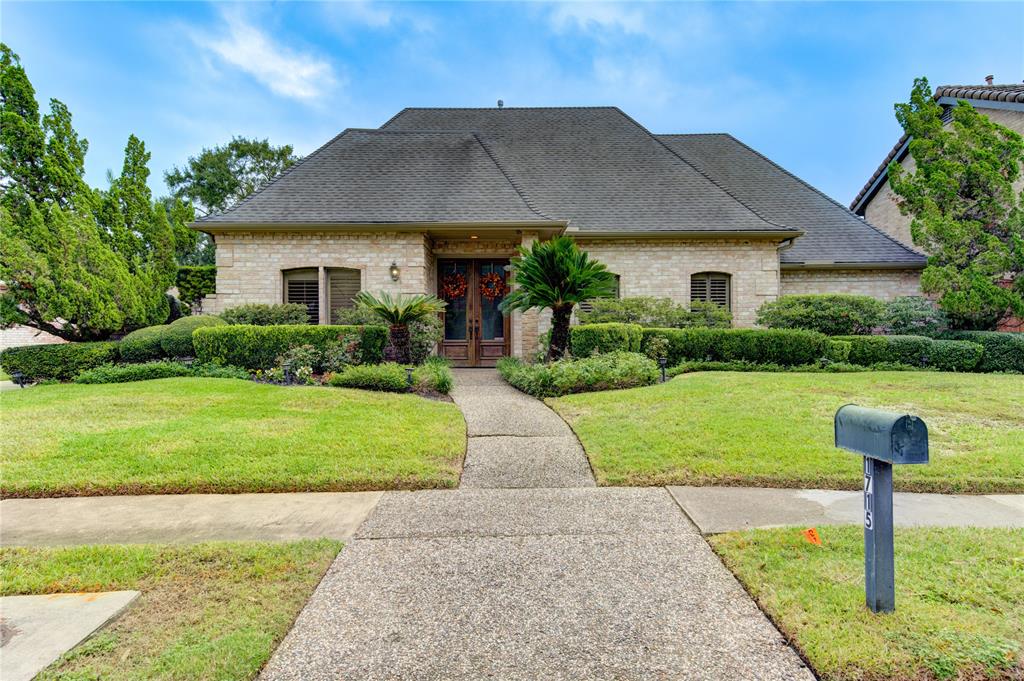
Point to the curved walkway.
(529, 571)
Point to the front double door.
(476, 330)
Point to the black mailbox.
(884, 439)
(882, 435)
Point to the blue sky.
(810, 85)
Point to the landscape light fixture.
(395, 272)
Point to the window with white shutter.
(711, 287)
(343, 284)
(303, 287)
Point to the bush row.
(654, 312)
(258, 347)
(259, 314)
(59, 362)
(772, 346)
(918, 351)
(166, 340)
(1003, 351)
(147, 371)
(588, 339)
(608, 371)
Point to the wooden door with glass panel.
(476, 331)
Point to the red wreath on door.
(492, 286)
(453, 286)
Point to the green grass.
(223, 435)
(4, 376)
(775, 430)
(959, 601)
(210, 611)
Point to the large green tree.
(77, 263)
(966, 214)
(215, 180)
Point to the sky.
(810, 85)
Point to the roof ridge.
(508, 178)
(702, 173)
(491, 108)
(823, 194)
(279, 176)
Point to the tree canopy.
(76, 262)
(966, 213)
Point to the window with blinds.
(343, 285)
(585, 306)
(303, 287)
(711, 287)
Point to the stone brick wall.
(662, 268)
(249, 264)
(19, 335)
(881, 284)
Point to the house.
(1003, 104)
(437, 200)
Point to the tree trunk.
(401, 343)
(559, 331)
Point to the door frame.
(473, 351)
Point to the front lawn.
(959, 601)
(223, 435)
(775, 430)
(208, 611)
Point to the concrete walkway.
(527, 572)
(183, 518)
(722, 509)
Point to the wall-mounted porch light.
(395, 272)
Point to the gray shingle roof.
(374, 176)
(832, 234)
(596, 167)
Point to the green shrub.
(126, 373)
(867, 350)
(588, 339)
(761, 346)
(389, 377)
(201, 370)
(951, 355)
(913, 316)
(258, 314)
(739, 365)
(143, 345)
(434, 375)
(1003, 351)
(912, 350)
(654, 313)
(424, 334)
(194, 282)
(837, 351)
(258, 347)
(831, 314)
(609, 371)
(60, 361)
(176, 338)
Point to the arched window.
(303, 286)
(585, 306)
(711, 287)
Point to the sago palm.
(556, 274)
(398, 312)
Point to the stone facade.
(19, 335)
(881, 284)
(662, 268)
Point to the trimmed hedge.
(60, 361)
(834, 314)
(143, 345)
(259, 314)
(389, 377)
(1003, 351)
(867, 350)
(258, 347)
(952, 355)
(176, 338)
(126, 373)
(761, 346)
(838, 351)
(916, 351)
(587, 339)
(610, 371)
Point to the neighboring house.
(18, 334)
(437, 200)
(1003, 104)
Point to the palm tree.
(398, 312)
(556, 274)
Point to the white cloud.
(598, 16)
(284, 71)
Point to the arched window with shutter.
(303, 287)
(711, 287)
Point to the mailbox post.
(883, 438)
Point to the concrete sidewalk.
(723, 509)
(183, 518)
(509, 582)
